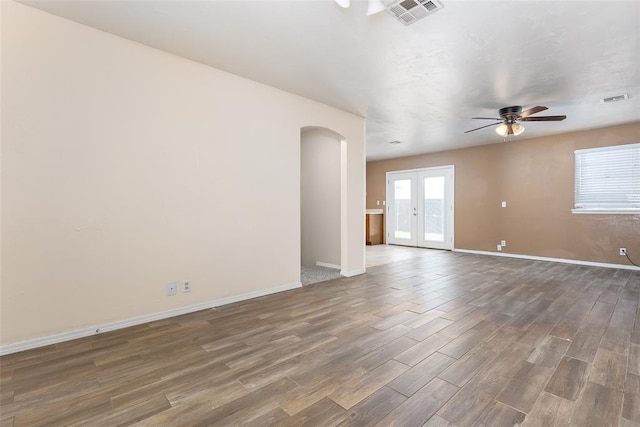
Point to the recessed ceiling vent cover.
(615, 98)
(410, 11)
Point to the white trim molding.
(542, 258)
(352, 273)
(629, 211)
(326, 264)
(120, 324)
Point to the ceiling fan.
(510, 116)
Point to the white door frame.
(448, 171)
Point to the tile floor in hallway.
(386, 254)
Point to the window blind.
(608, 178)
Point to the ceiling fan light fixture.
(374, 7)
(503, 130)
(517, 128)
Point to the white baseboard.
(352, 273)
(326, 264)
(120, 324)
(542, 258)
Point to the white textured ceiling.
(419, 84)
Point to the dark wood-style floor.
(441, 339)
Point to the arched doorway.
(321, 178)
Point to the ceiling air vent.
(410, 11)
(615, 98)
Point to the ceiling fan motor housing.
(510, 112)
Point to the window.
(607, 180)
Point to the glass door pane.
(402, 215)
(403, 212)
(433, 204)
(435, 209)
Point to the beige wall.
(320, 197)
(535, 177)
(124, 167)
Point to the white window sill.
(607, 211)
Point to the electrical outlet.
(503, 243)
(623, 251)
(186, 286)
(504, 204)
(499, 248)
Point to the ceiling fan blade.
(533, 110)
(485, 118)
(482, 127)
(544, 119)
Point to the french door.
(420, 208)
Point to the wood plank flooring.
(438, 339)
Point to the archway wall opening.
(320, 198)
(352, 190)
